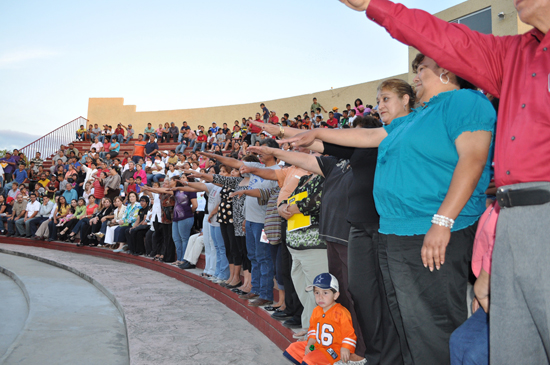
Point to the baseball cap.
(335, 109)
(324, 281)
(165, 151)
(9, 200)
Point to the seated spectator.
(332, 122)
(148, 131)
(130, 133)
(173, 132)
(107, 230)
(119, 133)
(80, 133)
(135, 236)
(183, 131)
(201, 142)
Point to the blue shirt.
(115, 147)
(20, 176)
(70, 195)
(417, 159)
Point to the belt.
(508, 198)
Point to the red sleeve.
(476, 57)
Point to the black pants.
(426, 306)
(245, 261)
(231, 250)
(293, 305)
(338, 266)
(135, 238)
(162, 241)
(149, 244)
(367, 292)
(197, 224)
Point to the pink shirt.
(485, 240)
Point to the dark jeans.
(367, 292)
(149, 244)
(35, 223)
(136, 239)
(470, 342)
(426, 306)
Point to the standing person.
(112, 184)
(455, 165)
(139, 149)
(513, 69)
(315, 105)
(265, 113)
(254, 130)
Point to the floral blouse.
(131, 213)
(308, 237)
(232, 183)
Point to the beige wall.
(112, 110)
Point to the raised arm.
(267, 174)
(352, 137)
(287, 132)
(471, 55)
(305, 161)
(228, 161)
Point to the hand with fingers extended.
(434, 247)
(245, 169)
(304, 139)
(237, 193)
(207, 154)
(264, 150)
(359, 5)
(268, 127)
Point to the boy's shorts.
(295, 353)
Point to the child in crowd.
(331, 336)
(67, 218)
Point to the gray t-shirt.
(214, 199)
(255, 212)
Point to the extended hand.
(344, 354)
(237, 193)
(359, 5)
(245, 169)
(434, 247)
(304, 139)
(264, 150)
(268, 127)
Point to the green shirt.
(314, 106)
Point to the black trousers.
(293, 305)
(231, 250)
(241, 243)
(338, 266)
(149, 244)
(426, 306)
(163, 239)
(367, 292)
(135, 238)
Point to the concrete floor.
(169, 322)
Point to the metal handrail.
(49, 144)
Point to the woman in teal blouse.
(432, 170)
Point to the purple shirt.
(182, 208)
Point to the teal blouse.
(131, 213)
(417, 159)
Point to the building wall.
(112, 110)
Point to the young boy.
(331, 337)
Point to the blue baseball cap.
(324, 281)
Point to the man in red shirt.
(139, 149)
(201, 141)
(273, 118)
(331, 121)
(119, 133)
(255, 130)
(515, 69)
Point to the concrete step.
(70, 321)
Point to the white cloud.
(15, 58)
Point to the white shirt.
(158, 164)
(32, 207)
(157, 209)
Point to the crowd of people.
(388, 210)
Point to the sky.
(179, 54)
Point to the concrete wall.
(112, 110)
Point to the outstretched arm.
(287, 132)
(305, 161)
(228, 161)
(353, 137)
(267, 174)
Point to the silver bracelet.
(443, 221)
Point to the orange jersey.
(332, 330)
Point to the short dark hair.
(270, 142)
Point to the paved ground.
(13, 314)
(65, 313)
(170, 322)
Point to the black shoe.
(9, 235)
(186, 266)
(280, 315)
(292, 323)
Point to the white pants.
(306, 265)
(110, 235)
(194, 248)
(209, 249)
